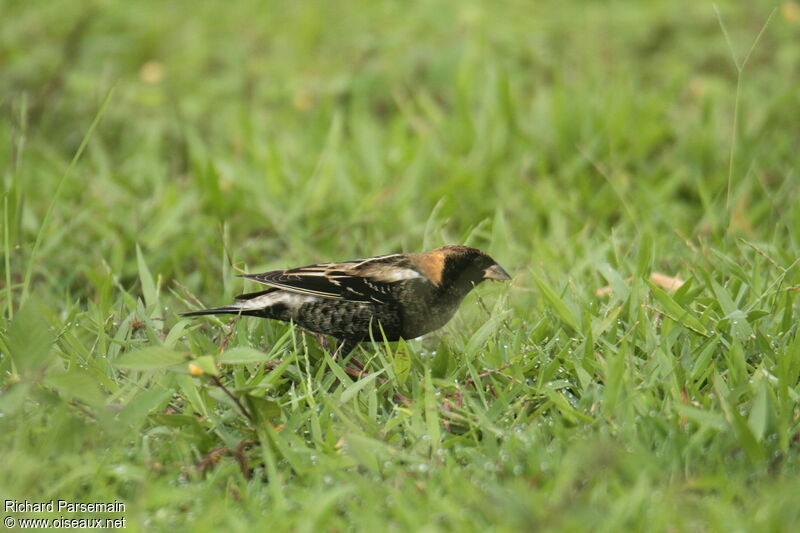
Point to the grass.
(586, 146)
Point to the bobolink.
(404, 295)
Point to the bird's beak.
(496, 272)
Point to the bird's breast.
(426, 314)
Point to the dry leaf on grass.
(669, 283)
(602, 292)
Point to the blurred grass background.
(582, 144)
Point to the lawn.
(633, 165)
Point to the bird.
(396, 296)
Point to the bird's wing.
(365, 280)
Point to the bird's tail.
(234, 309)
(250, 304)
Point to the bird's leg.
(323, 342)
(345, 348)
(356, 363)
(359, 372)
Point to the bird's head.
(461, 267)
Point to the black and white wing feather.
(366, 280)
